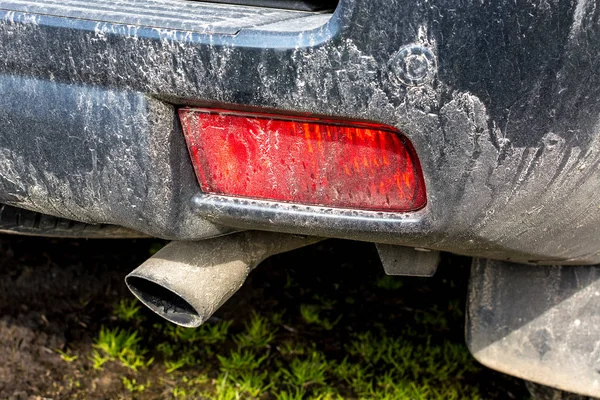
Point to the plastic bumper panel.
(538, 323)
(96, 155)
(505, 123)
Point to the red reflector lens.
(303, 160)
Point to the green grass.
(360, 339)
(375, 365)
(207, 333)
(240, 361)
(259, 333)
(98, 359)
(66, 357)
(306, 372)
(389, 282)
(122, 345)
(261, 360)
(312, 315)
(132, 386)
(183, 361)
(128, 310)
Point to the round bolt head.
(413, 65)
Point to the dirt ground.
(55, 295)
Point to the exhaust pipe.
(186, 282)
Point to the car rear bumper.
(505, 126)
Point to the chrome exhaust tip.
(186, 282)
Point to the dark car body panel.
(506, 128)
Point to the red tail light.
(303, 160)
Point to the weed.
(310, 371)
(325, 302)
(289, 281)
(357, 376)
(132, 386)
(326, 393)
(258, 333)
(122, 345)
(206, 333)
(388, 282)
(455, 309)
(349, 371)
(66, 356)
(197, 380)
(191, 389)
(289, 348)
(166, 349)
(215, 333)
(378, 365)
(277, 318)
(297, 394)
(311, 315)
(432, 318)
(183, 361)
(180, 393)
(98, 360)
(74, 383)
(413, 370)
(223, 391)
(240, 368)
(132, 360)
(240, 361)
(404, 356)
(251, 383)
(114, 342)
(128, 309)
(389, 344)
(367, 346)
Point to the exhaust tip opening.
(164, 302)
